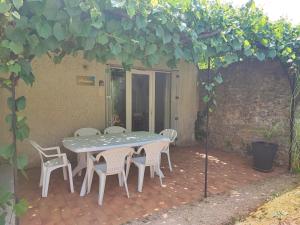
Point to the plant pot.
(263, 155)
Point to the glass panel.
(140, 102)
(162, 101)
(118, 97)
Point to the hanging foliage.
(128, 30)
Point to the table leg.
(85, 182)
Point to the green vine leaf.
(21, 207)
(18, 3)
(21, 103)
(7, 151)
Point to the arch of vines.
(128, 30)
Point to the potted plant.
(264, 150)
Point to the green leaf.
(118, 3)
(4, 6)
(218, 79)
(272, 53)
(141, 22)
(236, 45)
(102, 39)
(14, 68)
(115, 48)
(21, 207)
(206, 98)
(167, 37)
(7, 151)
(89, 43)
(15, 47)
(22, 161)
(260, 56)
(59, 32)
(44, 29)
(22, 132)
(151, 49)
(18, 3)
(178, 53)
(5, 196)
(21, 103)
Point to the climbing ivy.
(150, 31)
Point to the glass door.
(140, 100)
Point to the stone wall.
(254, 97)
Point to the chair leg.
(125, 183)
(46, 182)
(70, 178)
(128, 164)
(160, 175)
(102, 180)
(120, 179)
(152, 171)
(169, 160)
(91, 175)
(42, 176)
(65, 173)
(141, 178)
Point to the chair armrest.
(63, 155)
(57, 148)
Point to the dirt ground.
(227, 208)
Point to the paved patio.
(227, 171)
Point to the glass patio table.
(97, 143)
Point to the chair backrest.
(86, 132)
(39, 149)
(115, 130)
(170, 133)
(115, 159)
(153, 152)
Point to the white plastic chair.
(151, 159)
(59, 160)
(114, 130)
(81, 157)
(114, 164)
(172, 135)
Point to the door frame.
(151, 75)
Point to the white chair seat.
(54, 162)
(139, 160)
(100, 168)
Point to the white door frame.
(151, 75)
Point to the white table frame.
(98, 143)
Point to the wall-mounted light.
(101, 83)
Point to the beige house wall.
(57, 106)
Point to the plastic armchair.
(151, 159)
(172, 135)
(114, 130)
(81, 157)
(50, 162)
(114, 165)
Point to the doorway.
(139, 100)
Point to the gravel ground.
(225, 208)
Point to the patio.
(227, 171)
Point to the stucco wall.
(254, 97)
(57, 106)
